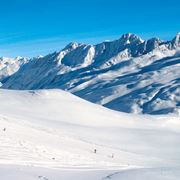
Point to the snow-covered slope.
(9, 66)
(128, 74)
(51, 134)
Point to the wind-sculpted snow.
(52, 134)
(128, 74)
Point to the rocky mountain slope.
(128, 74)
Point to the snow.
(128, 74)
(52, 134)
(9, 66)
(37, 173)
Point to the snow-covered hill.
(51, 134)
(128, 74)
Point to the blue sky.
(34, 27)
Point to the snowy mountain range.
(129, 74)
(47, 133)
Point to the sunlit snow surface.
(52, 135)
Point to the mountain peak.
(176, 40)
(177, 37)
(129, 38)
(154, 41)
(128, 35)
(71, 46)
(178, 34)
